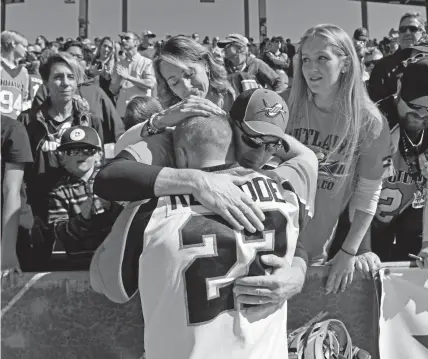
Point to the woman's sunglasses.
(82, 150)
(413, 29)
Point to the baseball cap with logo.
(361, 34)
(237, 38)
(261, 112)
(80, 136)
(414, 82)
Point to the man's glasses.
(127, 38)
(84, 151)
(411, 28)
(257, 142)
(418, 108)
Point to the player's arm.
(134, 181)
(299, 170)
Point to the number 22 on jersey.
(221, 256)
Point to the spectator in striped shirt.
(79, 219)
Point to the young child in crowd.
(79, 219)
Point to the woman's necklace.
(410, 156)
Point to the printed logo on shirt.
(53, 141)
(329, 171)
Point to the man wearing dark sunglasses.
(79, 219)
(384, 76)
(396, 229)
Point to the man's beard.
(414, 123)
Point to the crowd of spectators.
(77, 97)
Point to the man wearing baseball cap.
(397, 227)
(361, 36)
(79, 219)
(241, 66)
(215, 269)
(147, 47)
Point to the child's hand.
(86, 208)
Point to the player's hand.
(269, 292)
(367, 264)
(424, 254)
(220, 193)
(341, 272)
(10, 268)
(189, 107)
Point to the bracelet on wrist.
(151, 128)
(348, 253)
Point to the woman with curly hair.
(62, 109)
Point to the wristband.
(348, 253)
(151, 129)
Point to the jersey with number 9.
(13, 89)
(190, 260)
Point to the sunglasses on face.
(127, 38)
(418, 108)
(411, 28)
(257, 142)
(83, 151)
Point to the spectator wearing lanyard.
(79, 219)
(63, 109)
(99, 103)
(132, 75)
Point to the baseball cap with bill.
(148, 33)
(361, 34)
(237, 38)
(414, 82)
(80, 136)
(260, 112)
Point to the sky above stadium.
(290, 18)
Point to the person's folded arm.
(269, 77)
(273, 60)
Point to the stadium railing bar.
(55, 315)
